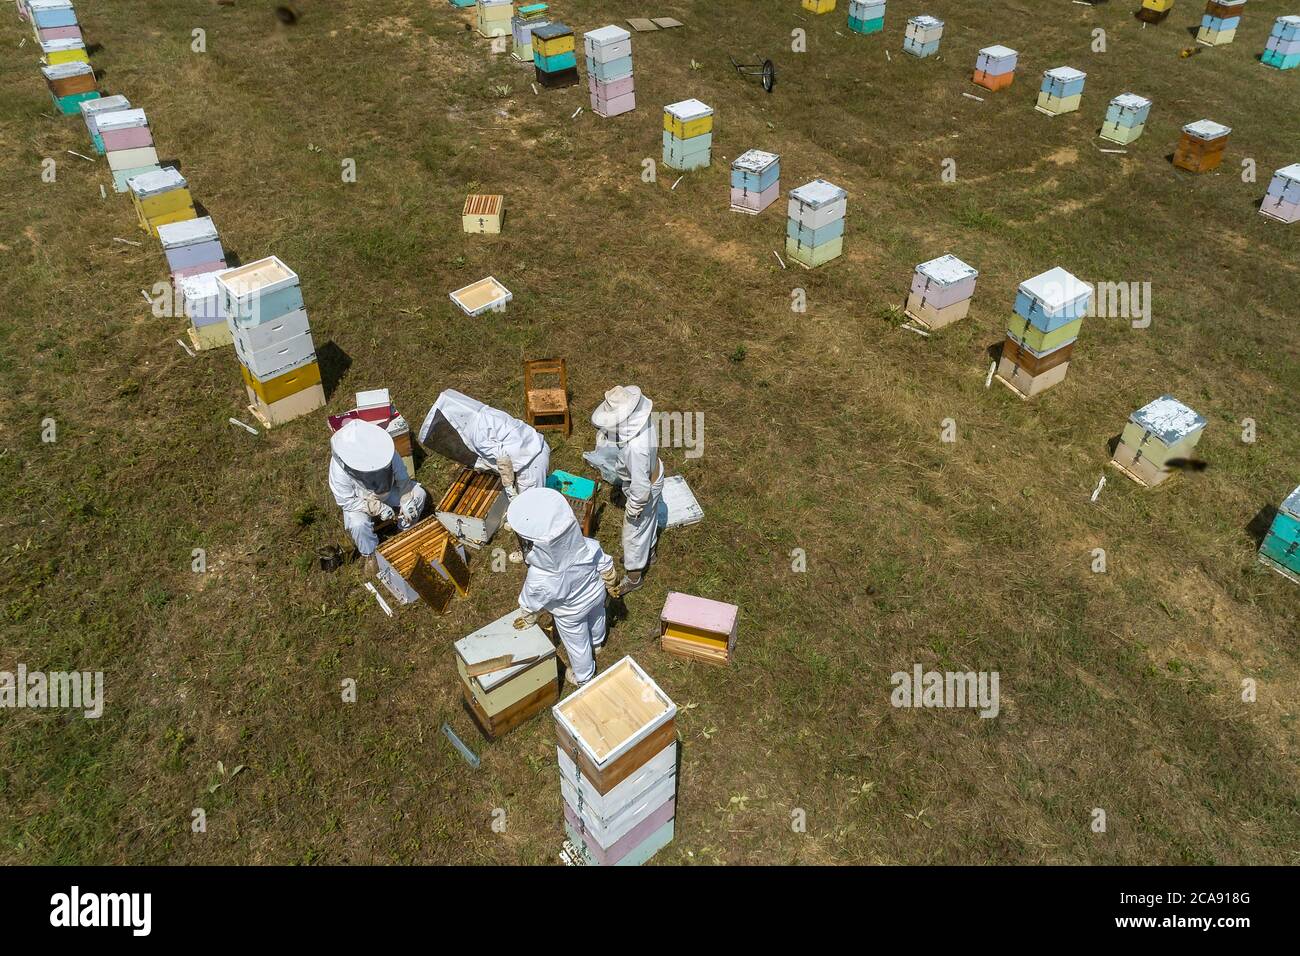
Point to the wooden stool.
(547, 408)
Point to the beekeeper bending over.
(487, 439)
(627, 450)
(369, 482)
(568, 575)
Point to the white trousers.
(581, 634)
(639, 535)
(362, 526)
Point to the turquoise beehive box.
(1280, 548)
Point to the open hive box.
(508, 675)
(617, 752)
(482, 296)
(473, 507)
(423, 562)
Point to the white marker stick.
(778, 258)
(188, 351)
(146, 296)
(126, 241)
(248, 428)
(576, 112)
(988, 379)
(382, 603)
(75, 153)
(972, 96)
(679, 179)
(102, 193)
(1122, 151)
(1096, 491)
(912, 328)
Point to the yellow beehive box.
(819, 6)
(553, 47)
(688, 118)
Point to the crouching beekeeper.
(370, 483)
(568, 575)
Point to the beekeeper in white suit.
(568, 575)
(487, 439)
(369, 482)
(628, 442)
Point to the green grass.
(1119, 690)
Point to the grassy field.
(1120, 690)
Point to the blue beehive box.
(1280, 549)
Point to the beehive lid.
(604, 36)
(263, 276)
(817, 193)
(1055, 289)
(571, 486)
(478, 297)
(157, 181)
(498, 639)
(678, 506)
(1065, 74)
(187, 233)
(1291, 20)
(49, 4)
(688, 110)
(925, 20)
(947, 270)
(754, 160)
(717, 617)
(62, 71)
(105, 104)
(1206, 129)
(1291, 172)
(551, 31)
(608, 715)
(998, 52)
(59, 46)
(121, 119)
(201, 286)
(1131, 101)
(1292, 504)
(1168, 419)
(532, 10)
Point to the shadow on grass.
(1258, 526)
(334, 364)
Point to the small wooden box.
(1201, 147)
(698, 628)
(473, 507)
(581, 494)
(423, 562)
(482, 214)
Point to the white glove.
(526, 619)
(377, 509)
(506, 469)
(410, 507)
(633, 511)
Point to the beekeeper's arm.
(533, 598)
(351, 496)
(642, 463)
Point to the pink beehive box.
(698, 628)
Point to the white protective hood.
(623, 414)
(544, 517)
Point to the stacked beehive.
(1282, 201)
(698, 629)
(995, 67)
(617, 753)
(1280, 549)
(200, 301)
(128, 145)
(508, 675)
(1220, 21)
(71, 50)
(1202, 145)
(1126, 117)
(161, 197)
(755, 181)
(1157, 434)
(493, 17)
(941, 291)
(526, 19)
(609, 70)
(53, 20)
(1153, 11)
(70, 84)
(1047, 317)
(263, 304)
(814, 231)
(1283, 47)
(688, 135)
(1062, 90)
(192, 247)
(922, 36)
(554, 58)
(91, 110)
(818, 6)
(866, 16)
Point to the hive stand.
(547, 408)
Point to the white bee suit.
(366, 477)
(490, 440)
(564, 574)
(625, 423)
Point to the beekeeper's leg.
(534, 476)
(362, 528)
(576, 633)
(639, 537)
(596, 623)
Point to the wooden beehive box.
(473, 507)
(423, 562)
(508, 674)
(1202, 145)
(1156, 434)
(698, 629)
(482, 214)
